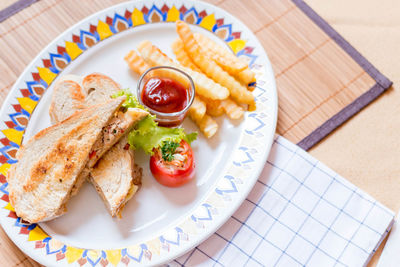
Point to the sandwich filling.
(118, 125)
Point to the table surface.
(366, 149)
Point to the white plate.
(159, 223)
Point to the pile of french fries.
(221, 79)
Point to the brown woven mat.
(10, 7)
(322, 81)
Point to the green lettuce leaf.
(131, 101)
(147, 135)
(190, 137)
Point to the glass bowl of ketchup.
(168, 93)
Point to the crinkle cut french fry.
(227, 60)
(198, 109)
(252, 107)
(146, 49)
(251, 88)
(214, 107)
(217, 108)
(233, 110)
(223, 57)
(136, 62)
(246, 76)
(238, 92)
(167, 73)
(204, 86)
(207, 125)
(182, 56)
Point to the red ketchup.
(166, 96)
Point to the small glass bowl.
(168, 119)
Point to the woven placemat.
(322, 80)
(10, 7)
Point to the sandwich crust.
(69, 85)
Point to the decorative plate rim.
(44, 246)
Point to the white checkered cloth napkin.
(299, 213)
(390, 255)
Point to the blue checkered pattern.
(299, 213)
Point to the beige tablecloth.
(366, 150)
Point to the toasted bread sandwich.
(51, 162)
(116, 177)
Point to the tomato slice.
(177, 172)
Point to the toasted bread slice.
(62, 107)
(98, 88)
(72, 93)
(48, 166)
(118, 164)
(106, 176)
